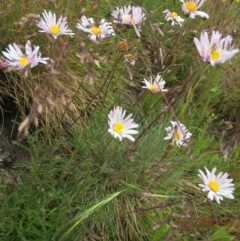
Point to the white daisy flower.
(190, 7)
(178, 133)
(103, 30)
(132, 16)
(49, 24)
(119, 126)
(217, 50)
(216, 186)
(173, 17)
(16, 59)
(155, 86)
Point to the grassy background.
(81, 184)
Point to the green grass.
(78, 182)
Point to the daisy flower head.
(191, 8)
(122, 46)
(96, 31)
(16, 59)
(173, 17)
(155, 86)
(132, 16)
(217, 186)
(178, 133)
(120, 126)
(49, 24)
(129, 58)
(215, 50)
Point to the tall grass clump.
(128, 115)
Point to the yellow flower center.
(54, 30)
(128, 20)
(173, 15)
(24, 61)
(214, 186)
(152, 87)
(96, 30)
(215, 55)
(176, 136)
(191, 7)
(118, 127)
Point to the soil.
(10, 153)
